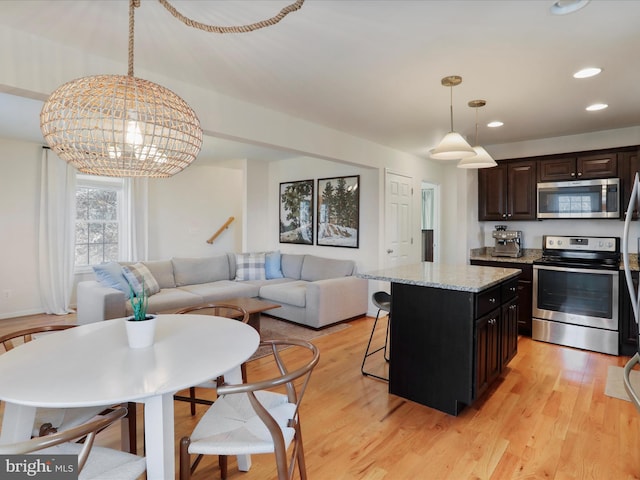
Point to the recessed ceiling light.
(495, 124)
(587, 72)
(563, 7)
(596, 106)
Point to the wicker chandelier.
(123, 126)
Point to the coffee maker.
(507, 242)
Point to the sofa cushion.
(290, 293)
(193, 271)
(250, 266)
(291, 265)
(273, 265)
(140, 277)
(111, 275)
(162, 271)
(221, 290)
(318, 268)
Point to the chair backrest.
(13, 339)
(220, 310)
(288, 378)
(87, 431)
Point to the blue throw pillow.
(111, 275)
(272, 266)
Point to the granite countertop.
(467, 278)
(532, 254)
(485, 254)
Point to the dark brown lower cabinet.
(525, 291)
(628, 326)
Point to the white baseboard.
(22, 313)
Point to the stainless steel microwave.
(579, 199)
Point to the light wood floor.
(546, 418)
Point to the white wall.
(187, 209)
(19, 204)
(257, 223)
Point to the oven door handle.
(628, 368)
(576, 270)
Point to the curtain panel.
(56, 233)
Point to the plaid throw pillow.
(135, 274)
(250, 266)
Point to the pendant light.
(452, 146)
(482, 159)
(123, 126)
(120, 125)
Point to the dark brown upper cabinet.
(507, 191)
(580, 167)
(629, 165)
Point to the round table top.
(93, 365)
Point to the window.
(99, 225)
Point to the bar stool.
(382, 300)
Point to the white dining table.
(93, 365)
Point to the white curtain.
(136, 241)
(56, 233)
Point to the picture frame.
(296, 212)
(338, 212)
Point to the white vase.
(140, 333)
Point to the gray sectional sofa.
(312, 291)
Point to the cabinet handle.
(579, 174)
(512, 307)
(513, 289)
(573, 174)
(508, 214)
(492, 300)
(504, 215)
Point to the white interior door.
(398, 200)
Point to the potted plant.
(140, 326)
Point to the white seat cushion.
(103, 463)
(231, 426)
(291, 293)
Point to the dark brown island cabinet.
(450, 342)
(525, 291)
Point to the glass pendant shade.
(452, 147)
(481, 160)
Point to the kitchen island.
(453, 330)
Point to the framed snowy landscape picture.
(338, 211)
(296, 212)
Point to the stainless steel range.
(575, 292)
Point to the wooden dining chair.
(93, 462)
(251, 418)
(52, 420)
(236, 375)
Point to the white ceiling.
(372, 68)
